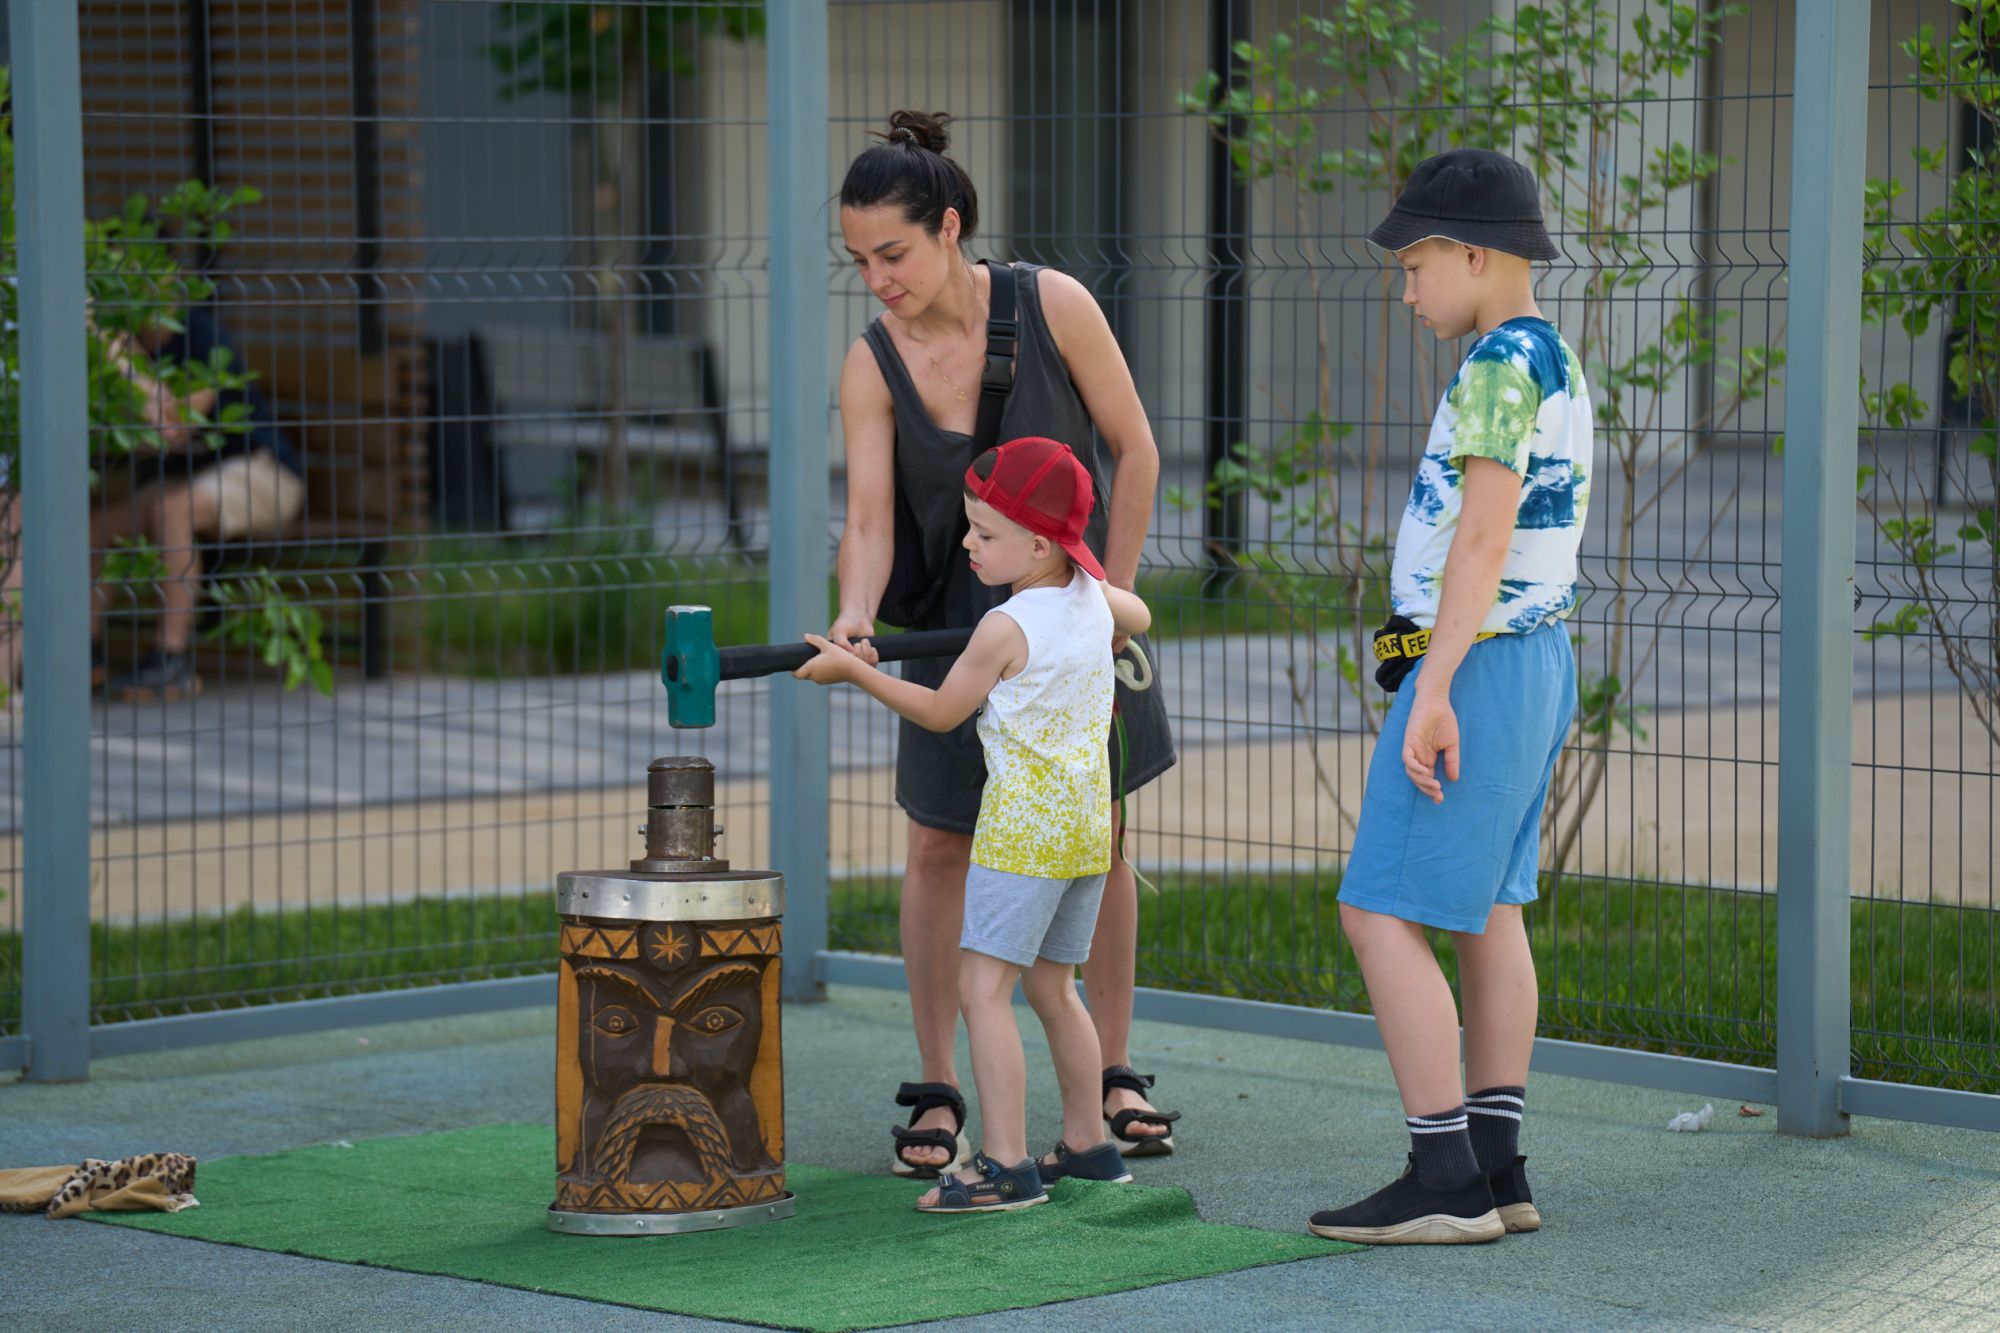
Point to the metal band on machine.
(722, 896)
(667, 1224)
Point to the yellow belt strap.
(1392, 646)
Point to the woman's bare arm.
(1097, 368)
(868, 539)
(1129, 615)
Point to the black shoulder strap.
(997, 381)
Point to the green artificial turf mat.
(470, 1203)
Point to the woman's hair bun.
(924, 129)
(925, 185)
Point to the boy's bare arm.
(996, 645)
(1129, 615)
(1491, 500)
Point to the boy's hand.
(834, 664)
(1432, 731)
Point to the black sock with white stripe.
(1443, 1149)
(1494, 1119)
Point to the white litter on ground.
(1693, 1122)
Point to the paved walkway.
(1693, 801)
(1895, 1227)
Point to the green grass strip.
(1679, 969)
(470, 1204)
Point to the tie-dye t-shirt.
(1518, 399)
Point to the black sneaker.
(1101, 1162)
(1403, 1212)
(161, 678)
(1511, 1198)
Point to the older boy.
(1483, 575)
(1038, 670)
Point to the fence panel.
(383, 650)
(1927, 725)
(1211, 171)
(498, 274)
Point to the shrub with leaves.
(1559, 85)
(136, 286)
(1928, 273)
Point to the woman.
(909, 396)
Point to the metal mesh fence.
(1211, 172)
(1927, 724)
(487, 275)
(496, 273)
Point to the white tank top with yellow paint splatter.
(1046, 809)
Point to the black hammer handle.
(767, 659)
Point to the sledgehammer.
(691, 666)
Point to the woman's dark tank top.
(938, 778)
(931, 461)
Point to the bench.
(356, 422)
(551, 388)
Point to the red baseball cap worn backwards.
(1040, 484)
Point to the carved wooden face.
(669, 1029)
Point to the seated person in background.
(250, 486)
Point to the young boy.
(1040, 664)
(1483, 575)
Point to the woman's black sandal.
(1100, 1162)
(1000, 1189)
(922, 1098)
(1137, 1145)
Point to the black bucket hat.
(1473, 196)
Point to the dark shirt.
(203, 335)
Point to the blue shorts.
(1447, 865)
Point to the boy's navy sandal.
(921, 1098)
(1403, 1212)
(1137, 1145)
(1000, 1189)
(1098, 1162)
(1511, 1198)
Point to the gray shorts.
(1019, 918)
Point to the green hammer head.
(690, 667)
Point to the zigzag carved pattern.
(666, 1196)
(741, 942)
(600, 942)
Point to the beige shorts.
(255, 495)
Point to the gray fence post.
(55, 545)
(1816, 675)
(796, 66)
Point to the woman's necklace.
(925, 347)
(941, 375)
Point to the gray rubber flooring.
(1896, 1226)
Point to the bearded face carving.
(669, 1086)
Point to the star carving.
(668, 947)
